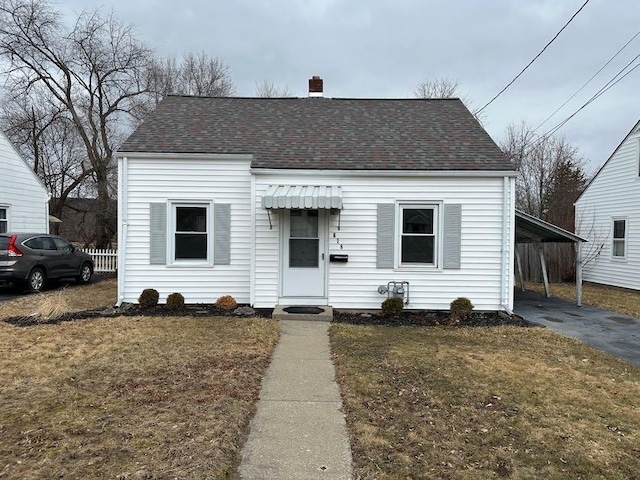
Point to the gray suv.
(30, 259)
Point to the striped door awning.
(302, 196)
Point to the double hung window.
(191, 232)
(619, 245)
(418, 235)
(4, 219)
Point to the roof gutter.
(302, 172)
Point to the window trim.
(7, 218)
(171, 233)
(624, 240)
(436, 206)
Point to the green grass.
(477, 403)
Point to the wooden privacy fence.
(105, 260)
(560, 259)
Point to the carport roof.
(530, 229)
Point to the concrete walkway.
(299, 430)
(608, 331)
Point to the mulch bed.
(428, 318)
(420, 318)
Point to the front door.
(303, 252)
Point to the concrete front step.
(279, 313)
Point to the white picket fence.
(105, 260)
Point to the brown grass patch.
(616, 299)
(134, 397)
(482, 403)
(76, 298)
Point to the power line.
(595, 96)
(588, 81)
(607, 86)
(534, 59)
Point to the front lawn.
(129, 397)
(478, 403)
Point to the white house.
(316, 201)
(608, 214)
(24, 201)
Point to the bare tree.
(52, 142)
(438, 88)
(93, 73)
(445, 88)
(550, 178)
(597, 236)
(550, 173)
(195, 74)
(267, 89)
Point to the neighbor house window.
(4, 219)
(619, 247)
(418, 235)
(191, 232)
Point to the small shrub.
(392, 306)
(148, 298)
(175, 301)
(226, 302)
(460, 309)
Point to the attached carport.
(530, 229)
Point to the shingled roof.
(323, 133)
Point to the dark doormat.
(304, 310)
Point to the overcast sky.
(384, 48)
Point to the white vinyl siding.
(613, 194)
(192, 180)
(22, 196)
(354, 284)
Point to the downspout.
(49, 197)
(506, 247)
(252, 262)
(123, 169)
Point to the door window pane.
(304, 224)
(303, 252)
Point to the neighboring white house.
(24, 201)
(608, 215)
(315, 201)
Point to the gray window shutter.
(385, 233)
(451, 236)
(222, 234)
(158, 238)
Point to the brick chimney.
(315, 86)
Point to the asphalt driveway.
(608, 331)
